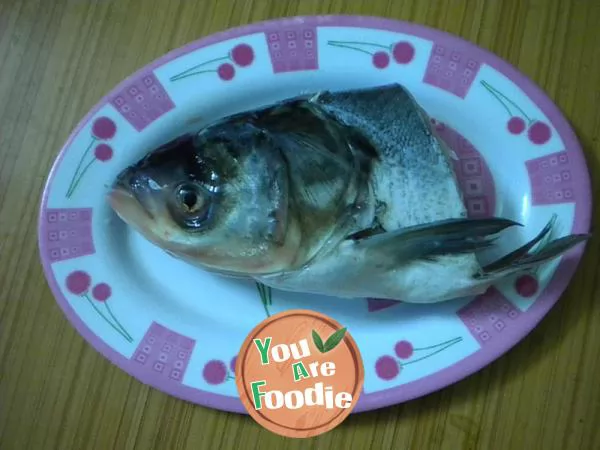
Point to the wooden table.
(58, 57)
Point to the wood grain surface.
(59, 57)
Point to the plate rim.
(393, 395)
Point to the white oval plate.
(179, 329)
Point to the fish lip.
(118, 196)
(122, 191)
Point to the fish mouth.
(130, 198)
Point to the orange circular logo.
(299, 373)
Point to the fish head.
(215, 199)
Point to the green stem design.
(87, 150)
(91, 302)
(265, 296)
(529, 119)
(117, 321)
(438, 345)
(79, 178)
(230, 377)
(455, 341)
(484, 84)
(387, 47)
(351, 48)
(493, 90)
(266, 310)
(193, 73)
(180, 74)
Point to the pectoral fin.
(453, 236)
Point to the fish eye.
(190, 205)
(188, 198)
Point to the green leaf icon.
(318, 341)
(334, 340)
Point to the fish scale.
(414, 178)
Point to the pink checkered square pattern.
(550, 179)
(68, 233)
(488, 316)
(294, 49)
(450, 70)
(164, 353)
(142, 101)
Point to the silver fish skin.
(348, 194)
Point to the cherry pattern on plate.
(103, 129)
(79, 283)
(538, 132)
(402, 52)
(240, 56)
(216, 371)
(164, 352)
(388, 367)
(67, 233)
(526, 285)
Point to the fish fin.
(365, 233)
(445, 237)
(552, 250)
(522, 251)
(373, 230)
(526, 257)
